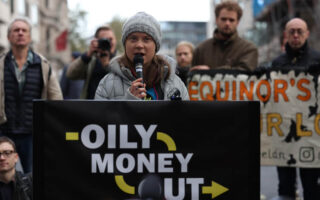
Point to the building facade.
(49, 19)
(175, 32)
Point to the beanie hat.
(145, 23)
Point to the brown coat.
(234, 53)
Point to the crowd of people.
(104, 75)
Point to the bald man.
(297, 52)
(299, 55)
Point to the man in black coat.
(13, 184)
(297, 52)
(299, 55)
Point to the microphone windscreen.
(138, 63)
(150, 187)
(138, 59)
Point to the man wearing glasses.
(13, 184)
(298, 55)
(297, 52)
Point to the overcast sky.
(102, 11)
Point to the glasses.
(6, 153)
(298, 31)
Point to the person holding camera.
(92, 66)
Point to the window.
(21, 7)
(48, 40)
(27, 9)
(47, 3)
(12, 6)
(34, 14)
(241, 4)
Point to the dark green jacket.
(234, 53)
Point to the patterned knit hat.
(142, 22)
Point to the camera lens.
(104, 44)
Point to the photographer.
(92, 66)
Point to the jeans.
(309, 179)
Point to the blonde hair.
(185, 43)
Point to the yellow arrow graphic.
(123, 185)
(215, 189)
(168, 140)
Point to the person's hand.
(138, 88)
(200, 67)
(104, 57)
(93, 47)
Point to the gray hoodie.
(115, 85)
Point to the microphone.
(150, 188)
(138, 63)
(174, 94)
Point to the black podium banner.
(102, 150)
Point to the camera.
(104, 44)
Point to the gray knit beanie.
(142, 22)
